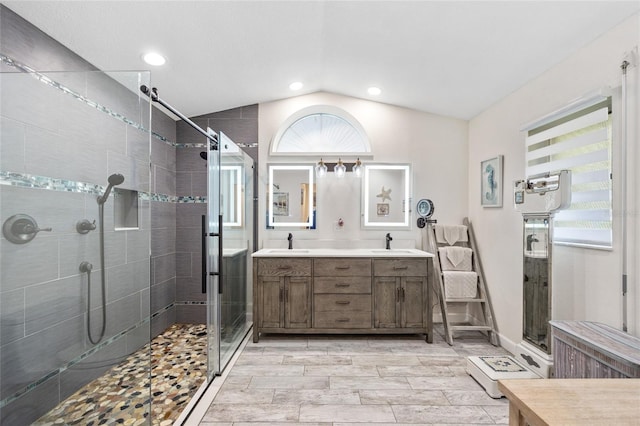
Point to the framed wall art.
(491, 182)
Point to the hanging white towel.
(451, 234)
(456, 258)
(460, 284)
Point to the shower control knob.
(21, 228)
(84, 226)
(85, 266)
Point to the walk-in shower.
(71, 353)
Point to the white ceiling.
(453, 58)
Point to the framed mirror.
(291, 197)
(386, 190)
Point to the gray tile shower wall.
(47, 133)
(163, 224)
(241, 125)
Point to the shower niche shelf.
(125, 209)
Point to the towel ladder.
(486, 323)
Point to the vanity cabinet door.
(413, 302)
(271, 302)
(386, 302)
(297, 306)
(400, 287)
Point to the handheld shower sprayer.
(114, 179)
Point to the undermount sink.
(537, 254)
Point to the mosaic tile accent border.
(63, 185)
(204, 145)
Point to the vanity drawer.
(284, 267)
(346, 319)
(342, 302)
(342, 285)
(399, 267)
(341, 267)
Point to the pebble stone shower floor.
(121, 396)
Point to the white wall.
(435, 146)
(586, 281)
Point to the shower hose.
(102, 286)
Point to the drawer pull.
(342, 302)
(284, 267)
(398, 268)
(342, 268)
(342, 285)
(343, 320)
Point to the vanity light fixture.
(340, 169)
(321, 169)
(357, 168)
(153, 58)
(296, 85)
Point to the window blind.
(580, 142)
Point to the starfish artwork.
(384, 195)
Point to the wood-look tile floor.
(348, 380)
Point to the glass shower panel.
(236, 201)
(74, 265)
(214, 255)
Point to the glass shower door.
(74, 248)
(229, 244)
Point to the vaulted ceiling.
(453, 58)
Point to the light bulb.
(357, 168)
(321, 169)
(339, 169)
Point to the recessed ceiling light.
(374, 91)
(153, 58)
(295, 85)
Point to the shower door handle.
(205, 256)
(220, 256)
(204, 253)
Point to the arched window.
(321, 129)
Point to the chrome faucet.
(290, 239)
(388, 239)
(531, 238)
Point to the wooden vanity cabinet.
(344, 295)
(401, 294)
(282, 292)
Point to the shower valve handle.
(21, 228)
(84, 226)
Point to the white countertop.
(230, 252)
(330, 252)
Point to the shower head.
(114, 179)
